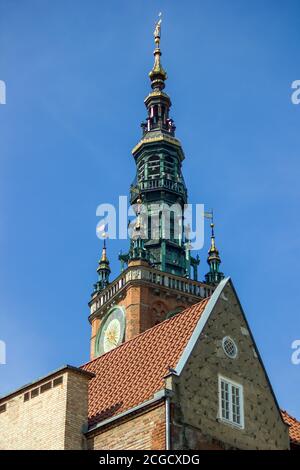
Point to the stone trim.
(200, 325)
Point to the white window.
(231, 403)
(229, 347)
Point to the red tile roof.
(294, 427)
(133, 372)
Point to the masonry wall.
(76, 412)
(145, 307)
(195, 415)
(52, 419)
(141, 432)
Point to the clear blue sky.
(77, 73)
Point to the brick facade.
(145, 431)
(52, 418)
(145, 306)
(53, 413)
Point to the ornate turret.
(103, 270)
(214, 276)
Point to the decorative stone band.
(187, 287)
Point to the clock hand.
(111, 339)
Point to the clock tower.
(158, 274)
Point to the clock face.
(111, 333)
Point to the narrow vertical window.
(172, 225)
(225, 399)
(149, 227)
(231, 402)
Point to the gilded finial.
(104, 256)
(210, 215)
(157, 74)
(212, 245)
(157, 30)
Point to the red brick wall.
(140, 432)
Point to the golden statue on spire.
(157, 30)
(157, 74)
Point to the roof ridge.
(147, 331)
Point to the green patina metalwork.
(157, 189)
(103, 271)
(214, 276)
(160, 188)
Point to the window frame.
(240, 387)
(228, 338)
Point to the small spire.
(214, 276)
(103, 269)
(157, 74)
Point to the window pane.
(225, 400)
(236, 418)
(230, 402)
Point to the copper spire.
(103, 269)
(214, 276)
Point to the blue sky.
(76, 74)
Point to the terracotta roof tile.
(294, 427)
(133, 372)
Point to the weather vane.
(101, 232)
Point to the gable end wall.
(195, 421)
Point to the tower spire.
(157, 102)
(159, 182)
(214, 276)
(157, 74)
(103, 269)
